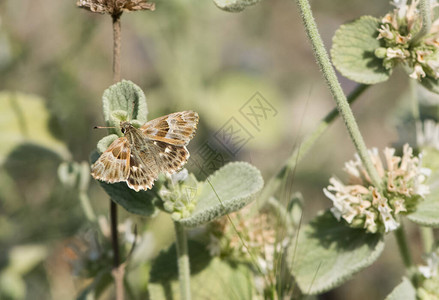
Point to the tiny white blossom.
(362, 205)
(431, 269)
(418, 72)
(396, 53)
(385, 32)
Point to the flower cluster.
(115, 7)
(398, 31)
(362, 205)
(179, 194)
(247, 236)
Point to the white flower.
(385, 32)
(396, 53)
(361, 204)
(390, 223)
(369, 223)
(431, 269)
(418, 72)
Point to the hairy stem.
(425, 12)
(116, 48)
(403, 246)
(183, 261)
(336, 90)
(297, 155)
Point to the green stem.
(425, 12)
(336, 90)
(183, 261)
(414, 100)
(403, 246)
(427, 237)
(297, 155)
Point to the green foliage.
(234, 5)
(25, 119)
(427, 212)
(353, 51)
(211, 278)
(227, 190)
(124, 101)
(431, 84)
(22, 259)
(403, 291)
(327, 253)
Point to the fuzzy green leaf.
(124, 101)
(353, 51)
(431, 84)
(234, 5)
(427, 213)
(105, 142)
(403, 291)
(328, 253)
(227, 190)
(211, 278)
(140, 203)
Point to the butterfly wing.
(175, 129)
(114, 164)
(150, 158)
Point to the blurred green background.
(55, 63)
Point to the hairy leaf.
(234, 5)
(211, 278)
(353, 51)
(327, 253)
(124, 101)
(403, 291)
(227, 190)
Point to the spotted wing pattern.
(153, 158)
(138, 158)
(114, 164)
(176, 128)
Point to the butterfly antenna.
(103, 127)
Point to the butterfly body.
(159, 146)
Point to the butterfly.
(159, 146)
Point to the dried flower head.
(115, 7)
(397, 31)
(362, 205)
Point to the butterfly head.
(125, 126)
